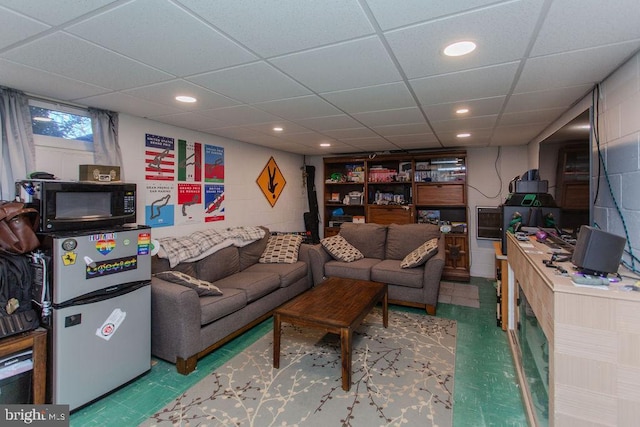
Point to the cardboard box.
(100, 173)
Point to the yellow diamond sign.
(271, 181)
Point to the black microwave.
(79, 205)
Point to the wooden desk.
(37, 341)
(593, 342)
(502, 277)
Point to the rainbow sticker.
(105, 246)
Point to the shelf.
(410, 184)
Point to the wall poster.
(159, 206)
(214, 202)
(159, 158)
(213, 164)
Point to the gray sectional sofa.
(384, 247)
(187, 326)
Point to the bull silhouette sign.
(271, 182)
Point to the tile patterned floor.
(485, 388)
(464, 294)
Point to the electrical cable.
(495, 166)
(603, 167)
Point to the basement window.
(61, 126)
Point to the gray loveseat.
(186, 326)
(384, 247)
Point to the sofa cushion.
(222, 263)
(214, 308)
(421, 254)
(281, 248)
(250, 254)
(360, 269)
(255, 285)
(367, 238)
(403, 239)
(340, 249)
(162, 264)
(289, 273)
(202, 287)
(389, 271)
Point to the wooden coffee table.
(338, 306)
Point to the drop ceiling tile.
(484, 82)
(361, 132)
(399, 130)
(418, 145)
(55, 12)
(508, 25)
(372, 98)
(580, 24)
(400, 116)
(239, 115)
(45, 84)
(560, 97)
(121, 102)
(302, 107)
(16, 28)
(477, 138)
(587, 66)
(288, 128)
(59, 52)
(517, 135)
(477, 107)
(348, 65)
(389, 15)
(534, 116)
(329, 123)
(188, 121)
(251, 83)
(419, 138)
(462, 125)
(234, 132)
(166, 92)
(271, 29)
(162, 35)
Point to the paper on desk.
(525, 245)
(582, 285)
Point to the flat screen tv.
(598, 252)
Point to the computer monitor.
(598, 252)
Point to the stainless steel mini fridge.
(99, 321)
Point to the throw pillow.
(340, 249)
(281, 249)
(421, 254)
(202, 287)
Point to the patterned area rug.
(401, 375)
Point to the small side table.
(37, 341)
(502, 290)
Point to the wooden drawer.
(575, 195)
(441, 194)
(390, 214)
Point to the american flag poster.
(159, 158)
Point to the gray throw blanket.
(202, 243)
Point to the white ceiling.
(363, 75)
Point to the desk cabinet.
(37, 342)
(592, 338)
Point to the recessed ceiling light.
(459, 48)
(184, 98)
(42, 119)
(325, 144)
(462, 110)
(278, 129)
(463, 135)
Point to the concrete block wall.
(617, 148)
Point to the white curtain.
(18, 154)
(105, 138)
